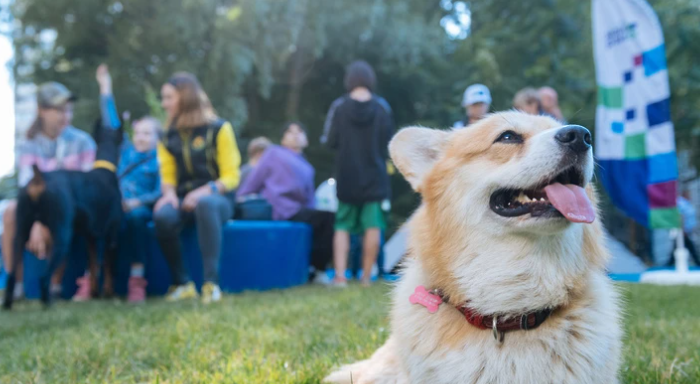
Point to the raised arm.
(108, 108)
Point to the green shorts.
(357, 218)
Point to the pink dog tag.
(423, 297)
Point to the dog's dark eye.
(509, 137)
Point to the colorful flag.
(634, 139)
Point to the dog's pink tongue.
(572, 201)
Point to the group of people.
(477, 103)
(188, 170)
(358, 127)
(545, 101)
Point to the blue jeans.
(209, 217)
(134, 234)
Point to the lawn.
(293, 336)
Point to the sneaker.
(19, 291)
(137, 290)
(321, 278)
(55, 290)
(84, 292)
(339, 282)
(210, 293)
(182, 292)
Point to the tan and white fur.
(500, 265)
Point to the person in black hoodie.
(358, 127)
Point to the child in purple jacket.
(286, 180)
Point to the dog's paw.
(7, 301)
(47, 302)
(342, 376)
(45, 294)
(356, 373)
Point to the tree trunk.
(252, 100)
(297, 70)
(296, 83)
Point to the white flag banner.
(634, 144)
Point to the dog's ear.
(415, 150)
(37, 185)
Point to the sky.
(7, 109)
(459, 19)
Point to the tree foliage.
(266, 61)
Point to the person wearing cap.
(476, 101)
(199, 172)
(286, 180)
(51, 143)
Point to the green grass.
(293, 336)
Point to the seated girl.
(199, 160)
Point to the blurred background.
(264, 62)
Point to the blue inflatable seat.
(256, 255)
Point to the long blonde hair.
(194, 107)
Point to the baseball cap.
(53, 95)
(476, 93)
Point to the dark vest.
(194, 150)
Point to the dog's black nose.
(576, 137)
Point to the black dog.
(68, 202)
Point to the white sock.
(137, 271)
(56, 289)
(19, 290)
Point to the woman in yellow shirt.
(199, 161)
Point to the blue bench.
(257, 255)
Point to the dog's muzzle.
(574, 137)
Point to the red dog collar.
(523, 322)
(499, 324)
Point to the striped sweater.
(72, 150)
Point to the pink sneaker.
(137, 290)
(84, 292)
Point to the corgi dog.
(505, 279)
